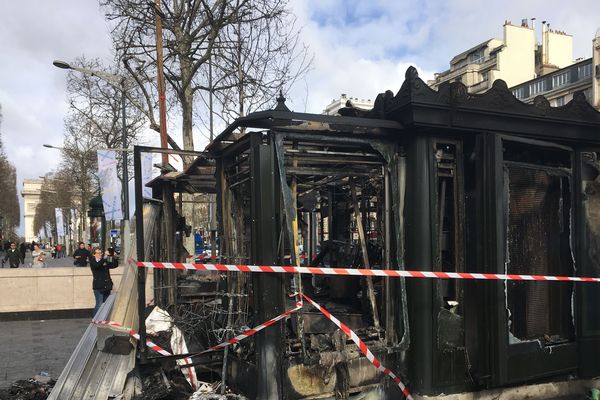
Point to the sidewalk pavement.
(50, 262)
(30, 347)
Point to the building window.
(537, 87)
(584, 71)
(560, 79)
(485, 76)
(519, 93)
(477, 57)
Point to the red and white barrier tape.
(205, 257)
(361, 345)
(360, 272)
(153, 346)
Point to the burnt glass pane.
(538, 243)
(590, 187)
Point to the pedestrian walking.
(23, 250)
(38, 257)
(81, 256)
(13, 255)
(102, 283)
(53, 251)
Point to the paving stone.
(30, 347)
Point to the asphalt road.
(28, 348)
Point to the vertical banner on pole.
(147, 159)
(73, 224)
(110, 185)
(73, 230)
(60, 223)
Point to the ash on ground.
(37, 388)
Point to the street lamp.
(61, 64)
(117, 81)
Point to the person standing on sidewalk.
(81, 256)
(102, 283)
(13, 255)
(38, 257)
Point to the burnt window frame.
(541, 148)
(584, 262)
(527, 360)
(458, 216)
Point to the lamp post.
(118, 81)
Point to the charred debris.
(427, 180)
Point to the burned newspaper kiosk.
(427, 180)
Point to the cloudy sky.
(360, 48)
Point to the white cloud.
(363, 48)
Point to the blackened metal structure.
(427, 180)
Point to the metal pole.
(125, 176)
(212, 209)
(139, 242)
(210, 98)
(161, 82)
(84, 225)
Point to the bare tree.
(94, 122)
(56, 192)
(255, 58)
(79, 162)
(95, 111)
(9, 201)
(192, 30)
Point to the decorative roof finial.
(281, 103)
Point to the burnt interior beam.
(362, 237)
(290, 201)
(332, 171)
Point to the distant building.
(515, 59)
(336, 104)
(560, 85)
(32, 189)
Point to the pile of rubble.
(36, 388)
(171, 385)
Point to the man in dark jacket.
(13, 256)
(102, 284)
(81, 256)
(23, 250)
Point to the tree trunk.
(187, 102)
(187, 115)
